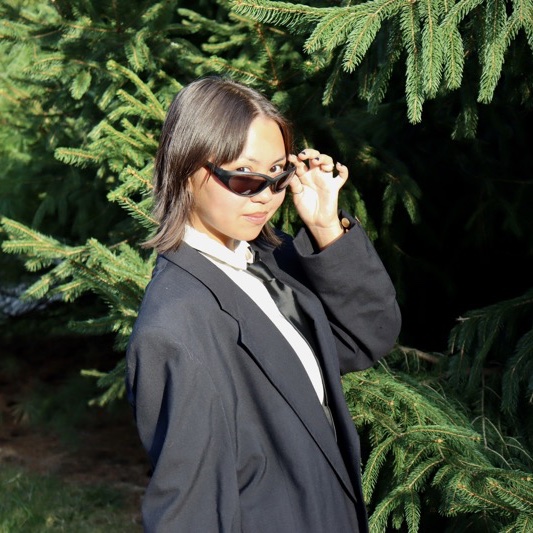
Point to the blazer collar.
(269, 349)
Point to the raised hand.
(315, 189)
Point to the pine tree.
(446, 46)
(428, 457)
(427, 460)
(502, 390)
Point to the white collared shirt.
(234, 264)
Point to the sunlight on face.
(227, 217)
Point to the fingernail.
(317, 158)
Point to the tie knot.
(260, 270)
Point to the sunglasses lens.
(247, 185)
(283, 182)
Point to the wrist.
(324, 236)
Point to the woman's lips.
(257, 218)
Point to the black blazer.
(233, 427)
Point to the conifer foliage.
(442, 44)
(439, 451)
(427, 460)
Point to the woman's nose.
(264, 196)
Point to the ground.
(102, 447)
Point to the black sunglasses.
(252, 183)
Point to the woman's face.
(227, 217)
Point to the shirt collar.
(238, 258)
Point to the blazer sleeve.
(357, 294)
(183, 426)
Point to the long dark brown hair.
(208, 120)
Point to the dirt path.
(102, 448)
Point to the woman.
(239, 406)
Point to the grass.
(32, 503)
(44, 398)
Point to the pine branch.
(433, 46)
(492, 54)
(332, 31)
(518, 373)
(278, 13)
(433, 34)
(112, 382)
(360, 38)
(400, 188)
(118, 276)
(453, 57)
(156, 108)
(26, 240)
(134, 107)
(474, 338)
(428, 443)
(76, 156)
(80, 84)
(138, 52)
(431, 358)
(376, 93)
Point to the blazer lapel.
(272, 353)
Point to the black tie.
(284, 298)
(289, 307)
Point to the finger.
(301, 167)
(296, 186)
(326, 165)
(308, 154)
(323, 162)
(343, 172)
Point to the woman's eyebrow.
(253, 160)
